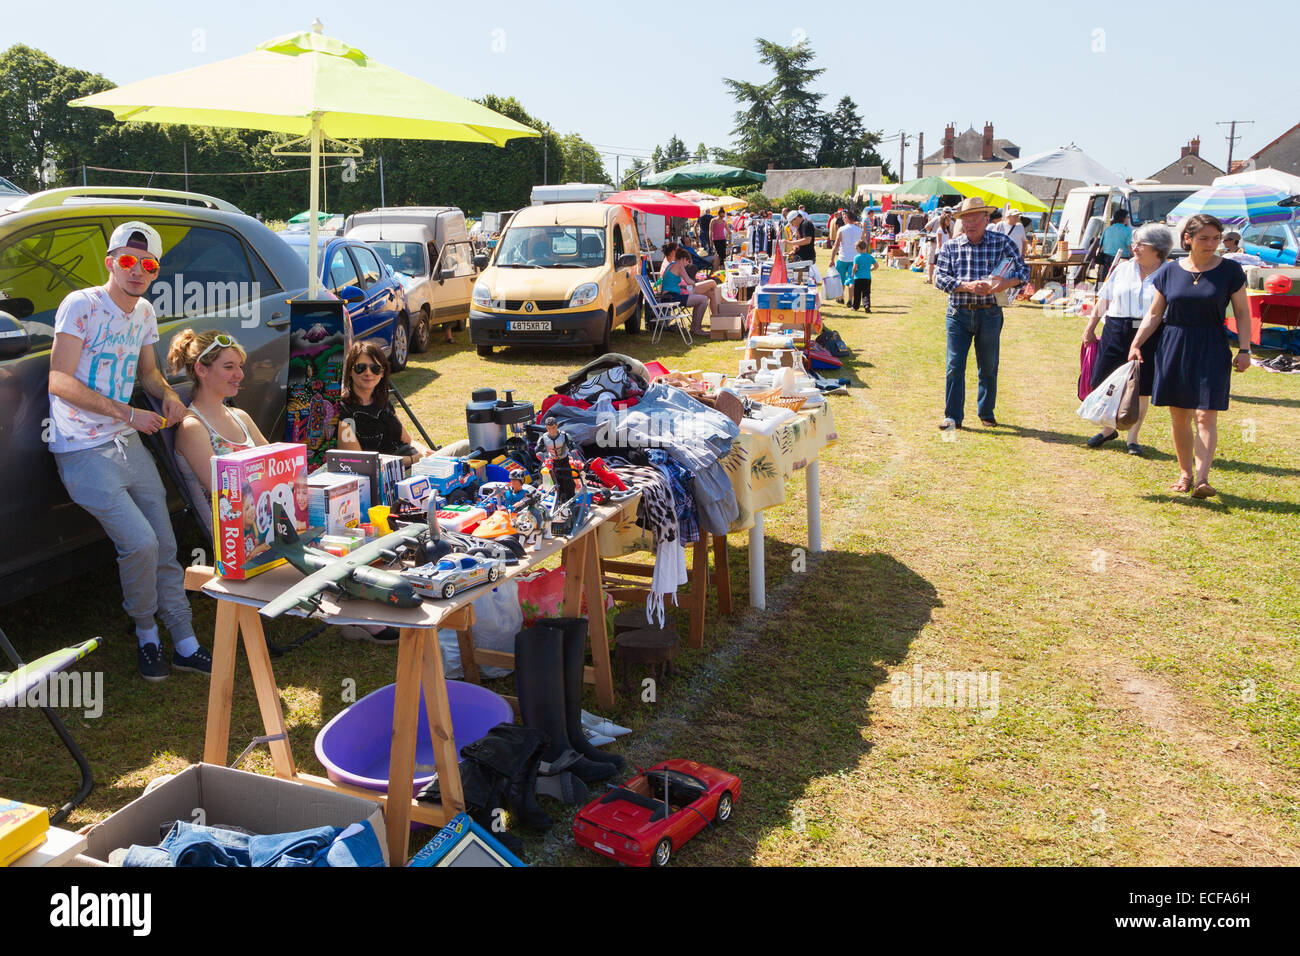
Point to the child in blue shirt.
(862, 264)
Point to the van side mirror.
(626, 261)
(13, 336)
(480, 262)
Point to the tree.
(582, 164)
(844, 141)
(779, 121)
(674, 154)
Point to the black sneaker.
(200, 662)
(148, 658)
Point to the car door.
(339, 273)
(381, 302)
(626, 292)
(453, 281)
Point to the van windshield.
(1153, 207)
(552, 247)
(407, 257)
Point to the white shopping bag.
(1102, 403)
(833, 286)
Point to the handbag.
(1130, 402)
(1102, 403)
(1087, 359)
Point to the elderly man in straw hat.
(973, 269)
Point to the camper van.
(1145, 200)
(571, 192)
(429, 249)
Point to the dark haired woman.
(1193, 361)
(367, 421)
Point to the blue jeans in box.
(983, 328)
(118, 483)
(188, 844)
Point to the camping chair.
(163, 445)
(664, 313)
(26, 677)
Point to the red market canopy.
(655, 201)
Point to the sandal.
(1183, 484)
(1204, 490)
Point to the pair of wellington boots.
(549, 661)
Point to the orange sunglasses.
(128, 261)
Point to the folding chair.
(26, 677)
(664, 313)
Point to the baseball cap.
(136, 235)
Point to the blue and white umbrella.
(1236, 205)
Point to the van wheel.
(484, 351)
(422, 334)
(401, 343)
(601, 347)
(633, 323)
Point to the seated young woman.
(367, 421)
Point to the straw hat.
(974, 204)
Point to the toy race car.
(455, 572)
(645, 821)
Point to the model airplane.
(349, 575)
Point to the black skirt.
(1116, 339)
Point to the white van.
(1146, 201)
(428, 247)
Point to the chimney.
(949, 142)
(986, 147)
(1191, 149)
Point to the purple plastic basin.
(356, 745)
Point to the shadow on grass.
(791, 706)
(1226, 503)
(1263, 400)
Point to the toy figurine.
(554, 448)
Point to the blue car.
(376, 299)
(1276, 243)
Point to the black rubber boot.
(539, 679)
(574, 630)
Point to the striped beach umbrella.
(1236, 205)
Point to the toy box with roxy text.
(246, 486)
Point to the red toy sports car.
(645, 821)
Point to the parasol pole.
(313, 225)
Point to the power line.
(1232, 136)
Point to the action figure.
(554, 447)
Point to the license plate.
(543, 325)
(605, 849)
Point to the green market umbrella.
(701, 176)
(925, 187)
(313, 86)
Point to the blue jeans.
(189, 844)
(983, 327)
(120, 487)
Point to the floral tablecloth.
(758, 466)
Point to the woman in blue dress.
(1193, 361)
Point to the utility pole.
(902, 143)
(185, 158)
(546, 143)
(381, 182)
(1232, 136)
(920, 154)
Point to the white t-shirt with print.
(111, 341)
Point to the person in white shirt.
(1014, 229)
(844, 248)
(103, 343)
(1232, 250)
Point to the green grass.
(1148, 713)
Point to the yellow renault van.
(562, 274)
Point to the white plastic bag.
(1102, 403)
(497, 619)
(832, 284)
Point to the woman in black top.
(1193, 361)
(367, 421)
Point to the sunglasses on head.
(364, 367)
(220, 342)
(127, 261)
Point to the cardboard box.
(335, 501)
(795, 297)
(246, 485)
(262, 805)
(724, 335)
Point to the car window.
(342, 272)
(44, 266)
(405, 257)
(371, 271)
(618, 242)
(464, 259)
(202, 270)
(451, 259)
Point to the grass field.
(1145, 644)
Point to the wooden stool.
(648, 645)
(633, 619)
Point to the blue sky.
(1129, 82)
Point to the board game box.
(245, 487)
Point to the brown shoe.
(1204, 490)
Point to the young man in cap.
(964, 268)
(103, 343)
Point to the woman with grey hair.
(1123, 302)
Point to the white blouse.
(1129, 295)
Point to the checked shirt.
(963, 261)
